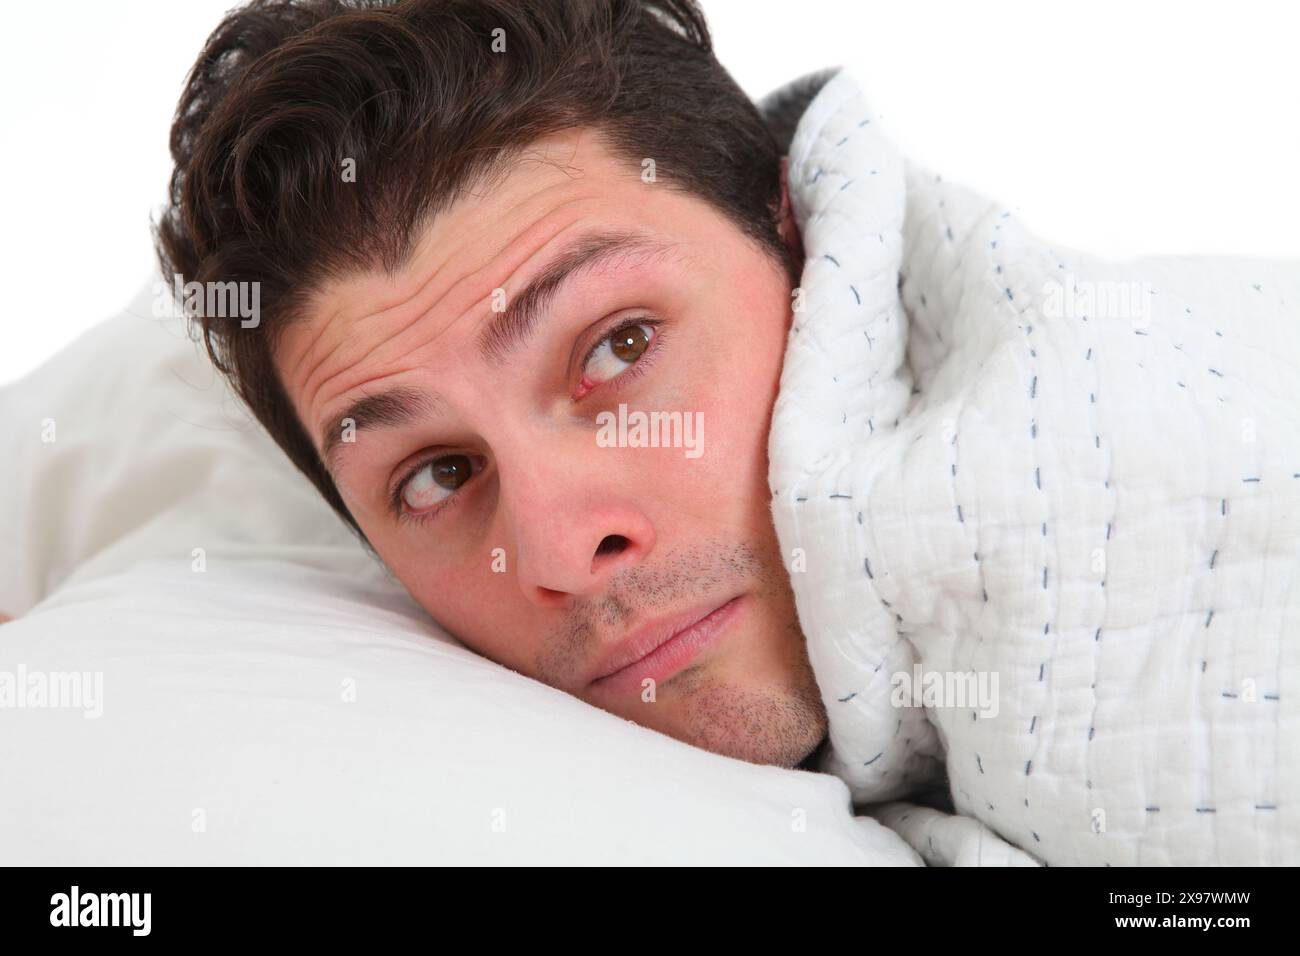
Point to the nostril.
(612, 544)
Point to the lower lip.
(673, 655)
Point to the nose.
(573, 529)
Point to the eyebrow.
(511, 328)
(388, 409)
(504, 333)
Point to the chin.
(780, 726)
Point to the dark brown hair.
(413, 92)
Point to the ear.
(786, 225)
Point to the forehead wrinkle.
(371, 362)
(641, 245)
(437, 271)
(342, 340)
(572, 218)
(519, 250)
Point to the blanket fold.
(1047, 514)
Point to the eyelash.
(631, 373)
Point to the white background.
(1117, 128)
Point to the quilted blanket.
(1042, 517)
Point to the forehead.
(366, 326)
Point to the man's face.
(488, 468)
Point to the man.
(487, 235)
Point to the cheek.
(737, 410)
(735, 446)
(455, 586)
(750, 342)
(456, 601)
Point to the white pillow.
(288, 703)
(128, 445)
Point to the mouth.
(660, 648)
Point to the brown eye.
(629, 343)
(436, 480)
(451, 472)
(616, 351)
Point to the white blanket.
(1053, 498)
